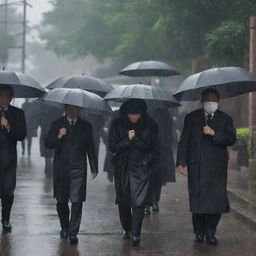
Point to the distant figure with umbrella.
(97, 122)
(13, 129)
(202, 149)
(133, 139)
(71, 137)
(32, 123)
(165, 171)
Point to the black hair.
(7, 88)
(134, 106)
(208, 91)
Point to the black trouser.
(72, 223)
(156, 187)
(7, 202)
(131, 218)
(156, 192)
(205, 224)
(29, 141)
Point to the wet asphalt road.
(36, 227)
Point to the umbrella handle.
(206, 123)
(2, 116)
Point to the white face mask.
(210, 107)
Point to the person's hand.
(94, 175)
(183, 170)
(5, 123)
(208, 130)
(131, 134)
(62, 132)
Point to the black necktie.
(209, 117)
(72, 122)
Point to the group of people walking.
(138, 150)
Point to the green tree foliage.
(227, 44)
(176, 31)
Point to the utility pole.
(5, 16)
(252, 68)
(24, 25)
(24, 4)
(5, 25)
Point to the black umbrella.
(77, 97)
(154, 97)
(228, 81)
(149, 68)
(91, 84)
(23, 85)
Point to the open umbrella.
(228, 81)
(77, 97)
(23, 85)
(154, 97)
(91, 84)
(149, 68)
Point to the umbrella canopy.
(228, 81)
(91, 84)
(77, 97)
(23, 85)
(149, 68)
(154, 97)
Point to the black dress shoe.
(199, 238)
(135, 240)
(73, 239)
(156, 207)
(7, 226)
(147, 210)
(64, 233)
(211, 240)
(126, 235)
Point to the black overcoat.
(166, 160)
(62, 165)
(134, 161)
(207, 160)
(8, 151)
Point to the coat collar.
(67, 123)
(214, 120)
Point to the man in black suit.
(12, 129)
(72, 139)
(202, 149)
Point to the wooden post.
(252, 67)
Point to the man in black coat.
(133, 139)
(166, 168)
(72, 139)
(12, 129)
(202, 149)
(32, 123)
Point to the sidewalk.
(168, 233)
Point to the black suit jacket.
(8, 151)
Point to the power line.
(23, 3)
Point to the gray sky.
(35, 13)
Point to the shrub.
(248, 139)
